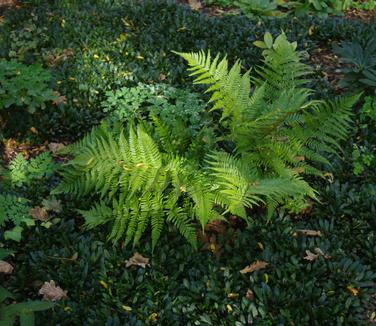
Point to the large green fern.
(272, 135)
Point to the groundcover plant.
(187, 163)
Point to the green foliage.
(277, 131)
(140, 184)
(323, 7)
(14, 207)
(14, 210)
(187, 286)
(22, 172)
(24, 86)
(178, 115)
(273, 136)
(24, 310)
(360, 55)
(259, 7)
(362, 159)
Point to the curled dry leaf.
(257, 265)
(249, 295)
(308, 233)
(311, 256)
(51, 292)
(137, 260)
(5, 267)
(39, 213)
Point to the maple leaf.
(52, 205)
(39, 213)
(5, 267)
(51, 292)
(137, 260)
(257, 265)
(308, 233)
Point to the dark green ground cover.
(118, 44)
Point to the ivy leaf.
(257, 265)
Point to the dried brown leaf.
(309, 233)
(60, 99)
(137, 260)
(54, 147)
(195, 4)
(250, 295)
(311, 256)
(51, 292)
(5, 267)
(257, 265)
(39, 213)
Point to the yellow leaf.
(229, 308)
(104, 284)
(354, 292)
(153, 317)
(260, 245)
(232, 295)
(34, 130)
(126, 308)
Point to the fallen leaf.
(309, 233)
(354, 292)
(137, 260)
(5, 267)
(51, 292)
(54, 147)
(232, 295)
(126, 308)
(60, 99)
(257, 265)
(310, 256)
(39, 213)
(317, 253)
(153, 317)
(34, 130)
(52, 205)
(104, 284)
(249, 295)
(195, 4)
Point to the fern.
(272, 134)
(277, 130)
